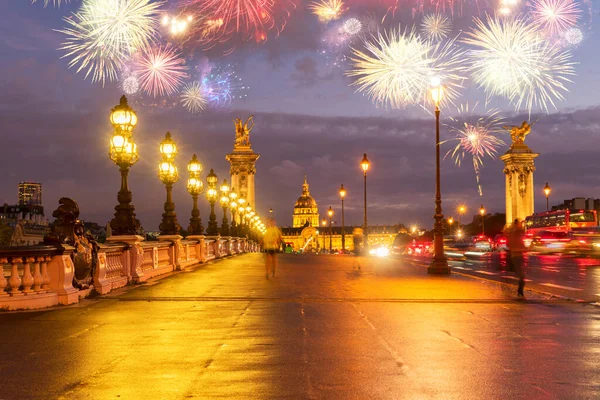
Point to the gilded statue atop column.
(518, 133)
(242, 131)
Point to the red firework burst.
(224, 20)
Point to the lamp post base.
(439, 266)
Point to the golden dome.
(306, 200)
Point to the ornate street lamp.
(167, 172)
(195, 187)
(365, 164)
(450, 223)
(225, 204)
(439, 264)
(482, 212)
(211, 196)
(123, 152)
(342, 195)
(233, 204)
(330, 213)
(547, 191)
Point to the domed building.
(306, 211)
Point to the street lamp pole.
(233, 205)
(225, 204)
(342, 195)
(330, 213)
(123, 152)
(482, 212)
(324, 222)
(195, 188)
(547, 191)
(365, 164)
(168, 174)
(439, 264)
(211, 196)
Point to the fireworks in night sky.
(555, 16)
(104, 32)
(192, 97)
(55, 3)
(327, 10)
(510, 58)
(160, 70)
(221, 85)
(396, 68)
(476, 136)
(436, 26)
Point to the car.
(551, 242)
(482, 243)
(500, 242)
(420, 248)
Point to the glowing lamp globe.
(212, 179)
(194, 166)
(122, 117)
(364, 164)
(330, 212)
(225, 188)
(342, 192)
(168, 149)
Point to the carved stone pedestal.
(175, 249)
(519, 168)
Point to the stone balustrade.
(42, 276)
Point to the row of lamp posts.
(123, 152)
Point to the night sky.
(55, 130)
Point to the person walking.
(271, 243)
(517, 248)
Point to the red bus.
(560, 220)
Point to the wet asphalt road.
(562, 275)
(322, 329)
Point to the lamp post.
(241, 211)
(547, 191)
(123, 152)
(342, 195)
(211, 196)
(195, 187)
(450, 222)
(167, 172)
(365, 164)
(233, 205)
(461, 209)
(324, 222)
(482, 212)
(225, 204)
(330, 213)
(439, 264)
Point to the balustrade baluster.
(45, 275)
(27, 277)
(15, 280)
(3, 281)
(38, 280)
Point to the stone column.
(519, 168)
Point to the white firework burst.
(104, 32)
(193, 98)
(130, 85)
(396, 68)
(436, 26)
(573, 36)
(511, 58)
(352, 26)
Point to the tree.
(6, 233)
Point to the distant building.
(30, 193)
(29, 213)
(306, 211)
(578, 203)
